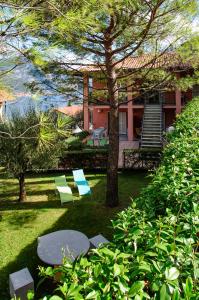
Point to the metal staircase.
(151, 137)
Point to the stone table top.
(54, 247)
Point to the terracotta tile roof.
(167, 60)
(70, 110)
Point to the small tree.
(30, 142)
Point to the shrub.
(73, 143)
(153, 255)
(87, 158)
(176, 182)
(82, 135)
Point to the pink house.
(137, 117)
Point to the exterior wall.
(100, 118)
(169, 98)
(173, 103)
(169, 117)
(85, 103)
(137, 122)
(186, 96)
(98, 84)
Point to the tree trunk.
(22, 189)
(112, 199)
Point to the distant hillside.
(18, 81)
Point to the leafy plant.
(30, 142)
(154, 253)
(176, 182)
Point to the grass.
(22, 223)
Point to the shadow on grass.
(39, 182)
(89, 215)
(88, 222)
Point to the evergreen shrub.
(154, 252)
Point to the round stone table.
(54, 247)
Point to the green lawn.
(21, 224)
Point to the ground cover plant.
(22, 223)
(154, 254)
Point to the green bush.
(73, 143)
(153, 255)
(176, 182)
(86, 158)
(82, 135)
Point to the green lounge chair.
(103, 142)
(64, 190)
(90, 143)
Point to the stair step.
(153, 109)
(157, 118)
(153, 112)
(152, 125)
(157, 112)
(153, 105)
(159, 133)
(151, 118)
(148, 141)
(151, 141)
(152, 128)
(153, 137)
(150, 135)
(151, 121)
(151, 144)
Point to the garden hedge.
(154, 253)
(176, 182)
(87, 158)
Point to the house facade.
(135, 114)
